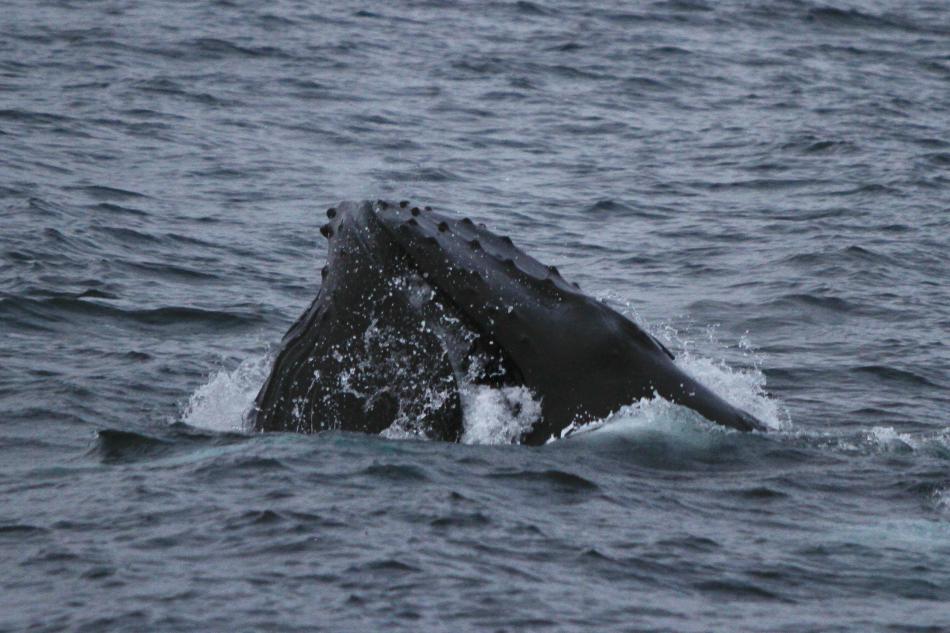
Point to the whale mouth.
(494, 401)
(476, 358)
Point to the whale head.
(415, 305)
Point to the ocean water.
(764, 185)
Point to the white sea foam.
(886, 438)
(223, 402)
(497, 415)
(647, 414)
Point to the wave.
(107, 194)
(47, 313)
(116, 209)
(607, 208)
(855, 19)
(550, 480)
(120, 446)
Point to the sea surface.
(764, 185)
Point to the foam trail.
(881, 440)
(222, 403)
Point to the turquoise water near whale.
(764, 185)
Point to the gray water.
(763, 185)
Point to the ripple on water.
(551, 481)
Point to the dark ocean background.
(763, 185)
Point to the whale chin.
(415, 306)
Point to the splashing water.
(888, 439)
(744, 389)
(497, 415)
(223, 403)
(490, 415)
(494, 415)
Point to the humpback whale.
(415, 306)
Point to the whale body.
(415, 306)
